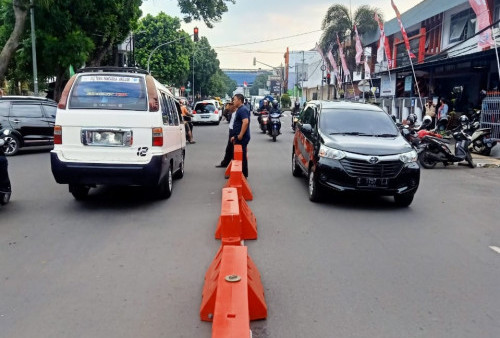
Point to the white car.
(207, 111)
(117, 126)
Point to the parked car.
(345, 146)
(206, 111)
(30, 119)
(117, 126)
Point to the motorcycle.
(5, 188)
(481, 141)
(274, 124)
(263, 120)
(433, 150)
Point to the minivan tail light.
(157, 137)
(57, 135)
(63, 101)
(216, 112)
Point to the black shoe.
(220, 166)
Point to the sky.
(296, 23)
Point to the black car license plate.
(369, 182)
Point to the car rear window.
(109, 92)
(364, 122)
(204, 108)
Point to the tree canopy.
(209, 11)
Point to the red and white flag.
(403, 31)
(383, 45)
(359, 47)
(320, 51)
(342, 59)
(368, 74)
(335, 68)
(480, 7)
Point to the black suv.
(31, 120)
(346, 146)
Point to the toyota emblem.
(373, 160)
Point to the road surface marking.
(495, 248)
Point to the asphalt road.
(125, 265)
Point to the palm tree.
(339, 20)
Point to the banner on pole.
(383, 45)
(347, 73)
(480, 7)
(403, 30)
(359, 47)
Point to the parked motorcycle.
(481, 141)
(274, 125)
(434, 150)
(5, 188)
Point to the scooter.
(433, 150)
(481, 141)
(5, 188)
(263, 120)
(274, 125)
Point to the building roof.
(424, 10)
(242, 75)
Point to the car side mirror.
(306, 129)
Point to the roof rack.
(26, 98)
(112, 70)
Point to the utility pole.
(302, 77)
(33, 49)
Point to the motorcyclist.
(412, 119)
(274, 110)
(296, 107)
(265, 107)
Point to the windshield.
(357, 122)
(204, 108)
(109, 92)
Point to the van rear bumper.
(107, 173)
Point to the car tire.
(295, 166)
(217, 123)
(12, 145)
(315, 193)
(4, 198)
(180, 172)
(164, 188)
(79, 191)
(404, 200)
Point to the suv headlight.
(409, 157)
(327, 152)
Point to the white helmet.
(426, 122)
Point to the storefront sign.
(388, 85)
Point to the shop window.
(462, 25)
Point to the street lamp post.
(161, 45)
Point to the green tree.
(259, 83)
(220, 85)
(286, 102)
(208, 10)
(169, 63)
(338, 20)
(206, 65)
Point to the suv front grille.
(362, 168)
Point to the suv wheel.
(295, 167)
(404, 200)
(11, 145)
(79, 192)
(315, 192)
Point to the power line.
(269, 40)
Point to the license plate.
(205, 117)
(107, 137)
(370, 182)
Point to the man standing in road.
(229, 147)
(241, 128)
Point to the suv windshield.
(357, 122)
(204, 108)
(109, 92)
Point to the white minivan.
(117, 126)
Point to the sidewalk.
(492, 161)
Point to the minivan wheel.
(80, 192)
(180, 172)
(315, 192)
(164, 188)
(12, 145)
(295, 167)
(404, 200)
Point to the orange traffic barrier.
(237, 155)
(236, 219)
(232, 260)
(238, 181)
(231, 313)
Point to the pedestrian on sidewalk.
(229, 147)
(187, 117)
(442, 118)
(241, 128)
(430, 110)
